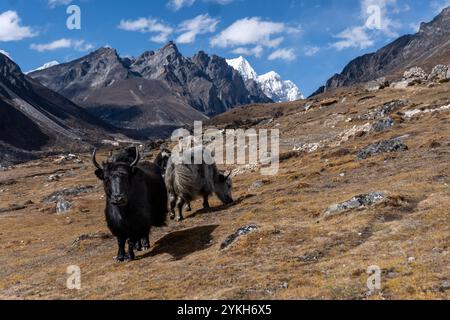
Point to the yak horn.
(94, 160)
(136, 161)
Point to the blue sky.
(305, 41)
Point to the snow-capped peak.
(277, 89)
(271, 83)
(243, 67)
(45, 66)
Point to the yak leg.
(145, 243)
(205, 202)
(138, 245)
(130, 254)
(180, 205)
(188, 207)
(173, 204)
(121, 253)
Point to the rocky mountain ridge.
(427, 48)
(184, 89)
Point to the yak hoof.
(179, 219)
(172, 216)
(129, 257)
(119, 259)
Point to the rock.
(415, 74)
(359, 201)
(68, 157)
(54, 177)
(411, 259)
(308, 147)
(71, 192)
(239, 233)
(265, 122)
(308, 106)
(377, 84)
(382, 124)
(384, 110)
(438, 73)
(63, 206)
(391, 145)
(445, 286)
(328, 102)
(403, 84)
(256, 185)
(91, 236)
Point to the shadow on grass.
(180, 244)
(220, 208)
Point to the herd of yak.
(138, 192)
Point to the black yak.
(136, 200)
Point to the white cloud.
(356, 37)
(161, 30)
(5, 53)
(179, 4)
(252, 32)
(54, 3)
(283, 54)
(11, 29)
(78, 45)
(201, 24)
(376, 23)
(311, 50)
(256, 51)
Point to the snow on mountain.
(5, 53)
(243, 67)
(271, 83)
(45, 66)
(277, 89)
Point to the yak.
(136, 200)
(162, 159)
(187, 181)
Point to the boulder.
(384, 110)
(402, 84)
(391, 145)
(382, 124)
(377, 84)
(438, 73)
(416, 74)
(63, 206)
(239, 233)
(70, 192)
(359, 201)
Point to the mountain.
(158, 88)
(34, 118)
(243, 67)
(427, 48)
(45, 66)
(277, 89)
(270, 83)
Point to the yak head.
(222, 186)
(116, 177)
